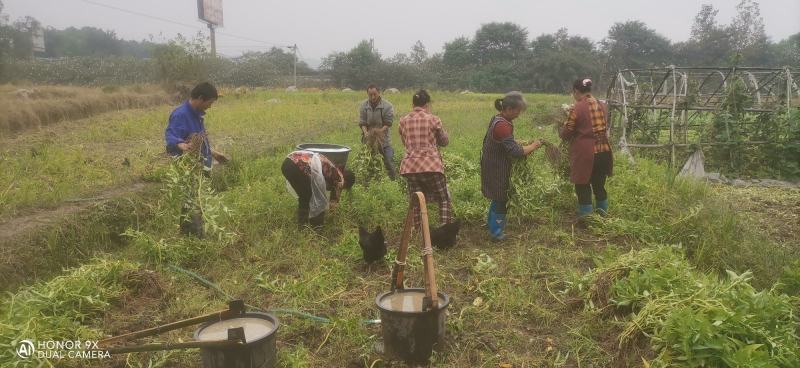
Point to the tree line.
(498, 57)
(501, 57)
(91, 55)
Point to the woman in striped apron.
(499, 148)
(591, 161)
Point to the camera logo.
(25, 349)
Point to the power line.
(141, 14)
(249, 39)
(195, 27)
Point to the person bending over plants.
(590, 155)
(309, 175)
(499, 148)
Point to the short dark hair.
(421, 98)
(349, 178)
(583, 85)
(204, 91)
(373, 86)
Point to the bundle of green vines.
(457, 167)
(532, 188)
(367, 164)
(188, 191)
(556, 156)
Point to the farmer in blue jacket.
(186, 129)
(187, 119)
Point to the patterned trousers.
(434, 186)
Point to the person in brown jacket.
(591, 161)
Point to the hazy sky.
(321, 27)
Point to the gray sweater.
(377, 117)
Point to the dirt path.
(44, 218)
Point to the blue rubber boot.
(602, 207)
(490, 216)
(500, 223)
(495, 222)
(584, 210)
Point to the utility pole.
(294, 50)
(213, 40)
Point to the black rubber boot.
(193, 225)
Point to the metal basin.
(334, 152)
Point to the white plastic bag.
(319, 198)
(694, 166)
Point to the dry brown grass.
(30, 107)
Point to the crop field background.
(680, 274)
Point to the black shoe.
(316, 222)
(302, 218)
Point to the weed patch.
(692, 318)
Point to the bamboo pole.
(788, 91)
(431, 291)
(672, 118)
(235, 308)
(402, 253)
(665, 145)
(624, 109)
(174, 346)
(693, 108)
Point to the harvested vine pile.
(62, 308)
(691, 318)
(533, 187)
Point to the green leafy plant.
(695, 319)
(189, 192)
(367, 165)
(177, 250)
(532, 188)
(62, 308)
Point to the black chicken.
(445, 236)
(372, 244)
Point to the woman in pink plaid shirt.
(422, 134)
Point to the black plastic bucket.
(409, 334)
(334, 152)
(259, 350)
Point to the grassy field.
(552, 296)
(80, 158)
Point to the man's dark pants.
(388, 161)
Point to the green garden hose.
(218, 289)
